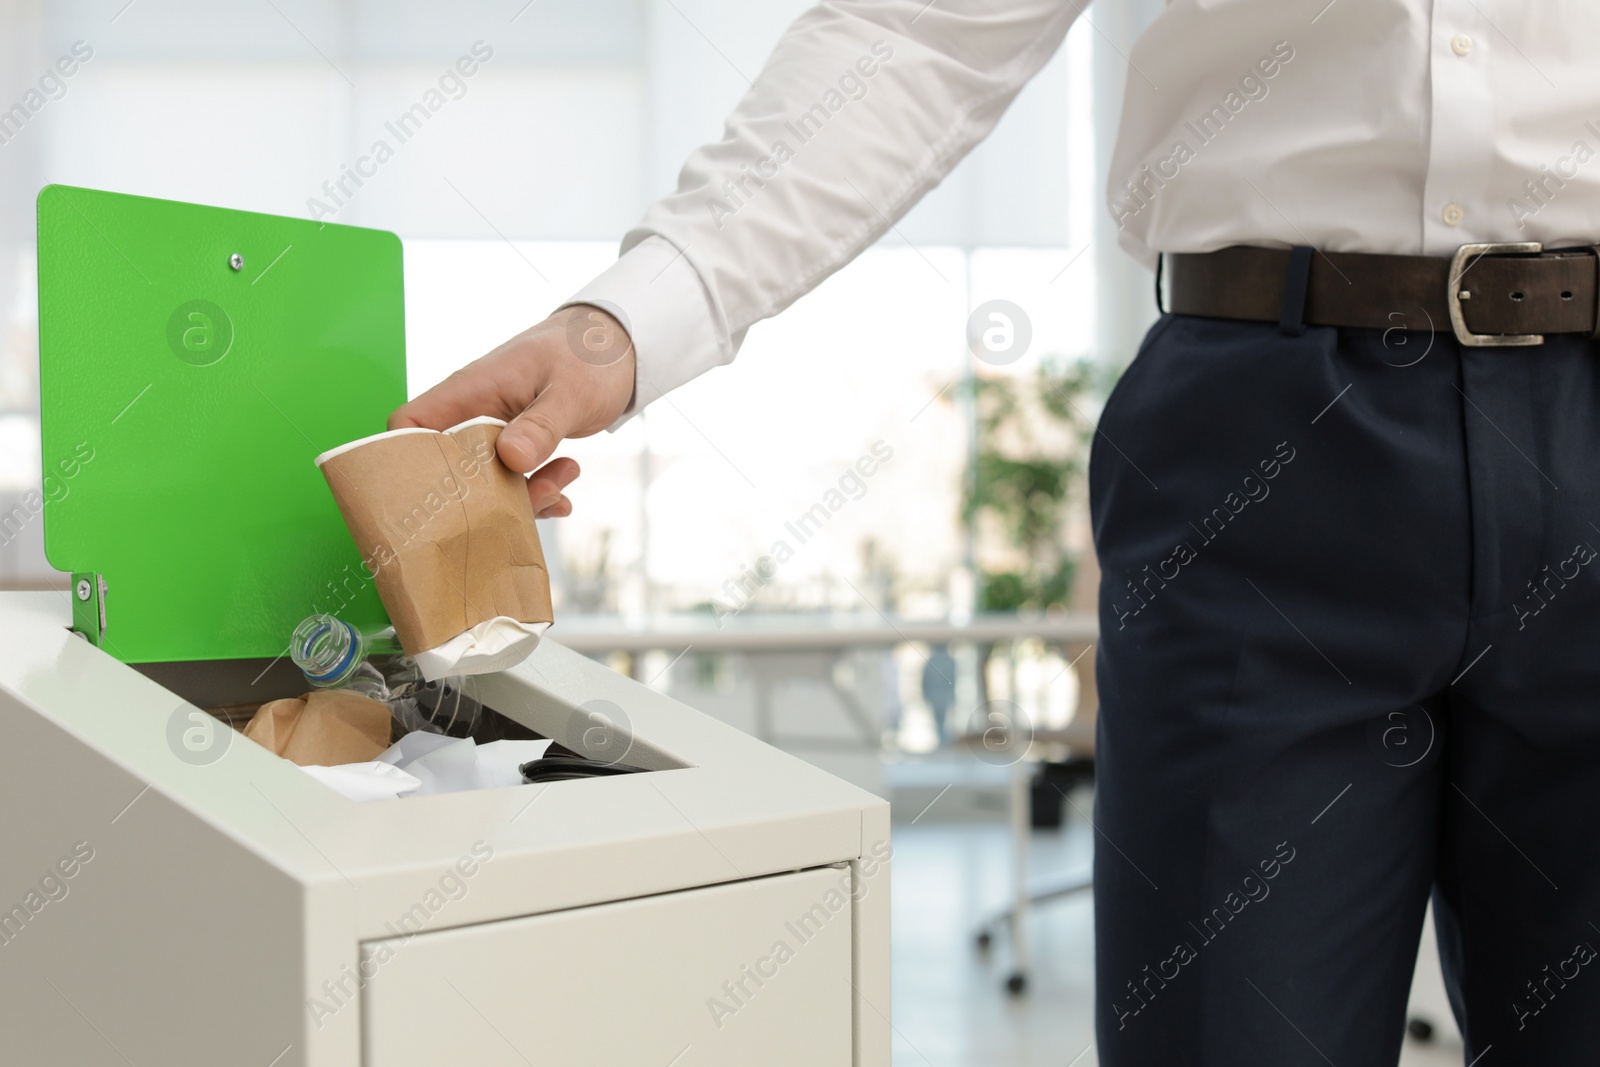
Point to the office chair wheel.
(1420, 1028)
(1017, 984)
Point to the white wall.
(582, 116)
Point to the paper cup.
(447, 533)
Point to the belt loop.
(1292, 320)
(1594, 335)
(1161, 261)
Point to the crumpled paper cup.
(447, 532)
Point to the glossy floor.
(950, 1007)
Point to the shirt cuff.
(655, 293)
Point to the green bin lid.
(184, 394)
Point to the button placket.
(1460, 146)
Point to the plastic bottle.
(332, 654)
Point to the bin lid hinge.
(89, 606)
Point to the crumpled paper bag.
(448, 533)
(325, 727)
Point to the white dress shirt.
(1400, 126)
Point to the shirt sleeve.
(861, 109)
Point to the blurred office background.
(512, 195)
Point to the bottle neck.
(327, 650)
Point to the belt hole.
(1566, 294)
(1517, 294)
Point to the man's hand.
(569, 376)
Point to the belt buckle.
(1454, 294)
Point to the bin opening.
(232, 691)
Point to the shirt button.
(1461, 44)
(1453, 214)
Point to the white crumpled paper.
(364, 781)
(423, 763)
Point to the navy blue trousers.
(1350, 657)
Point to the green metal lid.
(193, 361)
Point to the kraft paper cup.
(447, 532)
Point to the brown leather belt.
(1494, 294)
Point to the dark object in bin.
(561, 768)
